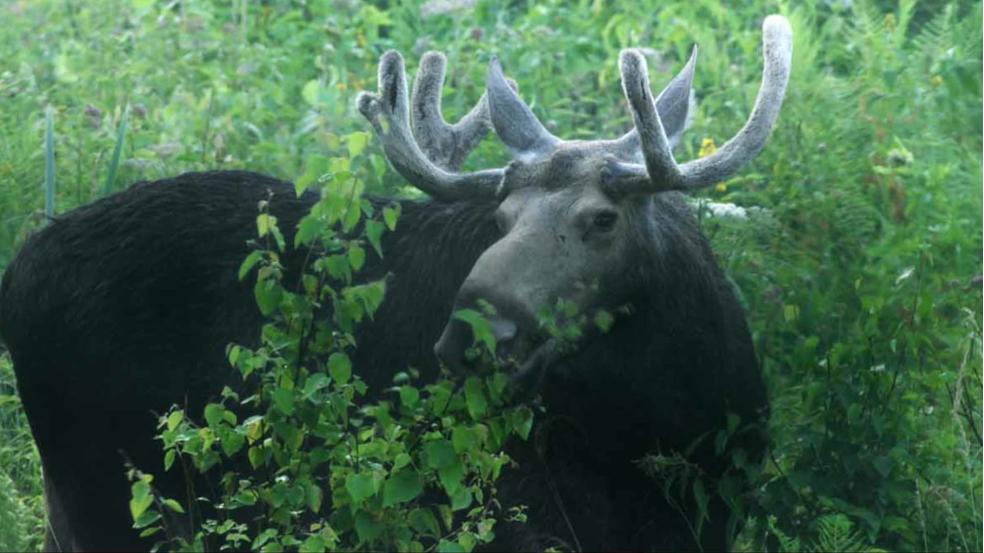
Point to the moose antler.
(661, 172)
(446, 146)
(429, 155)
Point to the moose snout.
(508, 321)
(458, 337)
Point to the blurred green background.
(858, 258)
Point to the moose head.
(575, 216)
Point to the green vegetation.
(309, 466)
(858, 262)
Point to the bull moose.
(125, 306)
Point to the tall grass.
(49, 162)
(21, 503)
(114, 160)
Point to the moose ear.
(673, 103)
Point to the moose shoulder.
(123, 307)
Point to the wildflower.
(707, 147)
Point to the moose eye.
(605, 220)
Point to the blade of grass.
(49, 162)
(114, 162)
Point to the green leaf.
(147, 532)
(424, 522)
(440, 396)
(251, 260)
(356, 256)
(374, 232)
(604, 320)
(360, 486)
(401, 460)
(522, 421)
(174, 506)
(338, 267)
(316, 166)
(352, 216)
(174, 419)
(391, 215)
(256, 457)
(445, 546)
(475, 397)
(401, 487)
(169, 457)
(314, 497)
(283, 399)
(213, 414)
(440, 454)
(461, 499)
(310, 92)
(232, 443)
(314, 544)
(451, 477)
(467, 540)
(314, 383)
(463, 438)
(264, 223)
(409, 396)
(340, 367)
(141, 498)
(308, 229)
(481, 328)
(367, 527)
(268, 294)
(146, 519)
(357, 142)
(264, 537)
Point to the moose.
(123, 307)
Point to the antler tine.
(777, 50)
(446, 145)
(661, 172)
(389, 113)
(675, 108)
(662, 168)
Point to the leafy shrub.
(301, 460)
